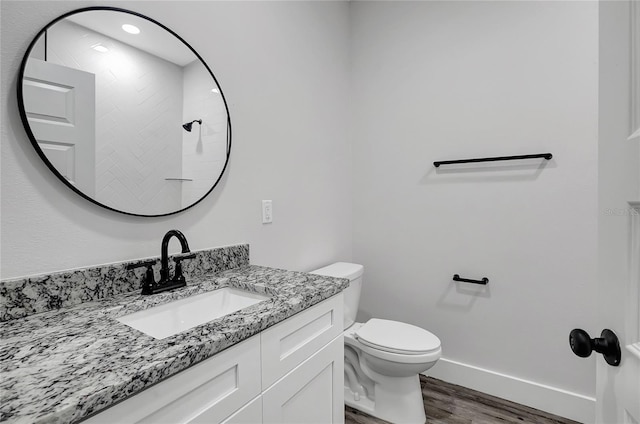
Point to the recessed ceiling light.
(131, 29)
(215, 90)
(100, 48)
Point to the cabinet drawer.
(206, 392)
(288, 343)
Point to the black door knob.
(607, 344)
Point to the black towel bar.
(484, 281)
(546, 156)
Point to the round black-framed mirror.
(124, 111)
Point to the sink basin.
(172, 318)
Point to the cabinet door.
(251, 413)
(206, 392)
(312, 393)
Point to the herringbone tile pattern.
(139, 103)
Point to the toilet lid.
(397, 337)
(341, 270)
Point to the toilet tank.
(352, 272)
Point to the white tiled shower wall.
(131, 163)
(204, 148)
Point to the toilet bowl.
(382, 357)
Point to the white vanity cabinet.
(311, 393)
(290, 373)
(248, 414)
(303, 366)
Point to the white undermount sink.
(174, 317)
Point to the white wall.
(138, 118)
(451, 80)
(284, 70)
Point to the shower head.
(188, 125)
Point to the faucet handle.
(178, 258)
(141, 264)
(149, 281)
(177, 276)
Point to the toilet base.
(398, 400)
(363, 403)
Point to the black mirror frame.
(25, 122)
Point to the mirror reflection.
(125, 112)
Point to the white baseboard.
(545, 398)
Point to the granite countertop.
(62, 366)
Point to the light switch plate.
(267, 212)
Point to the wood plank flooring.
(447, 403)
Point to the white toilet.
(382, 358)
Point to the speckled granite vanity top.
(63, 365)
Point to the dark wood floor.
(446, 403)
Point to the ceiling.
(152, 38)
